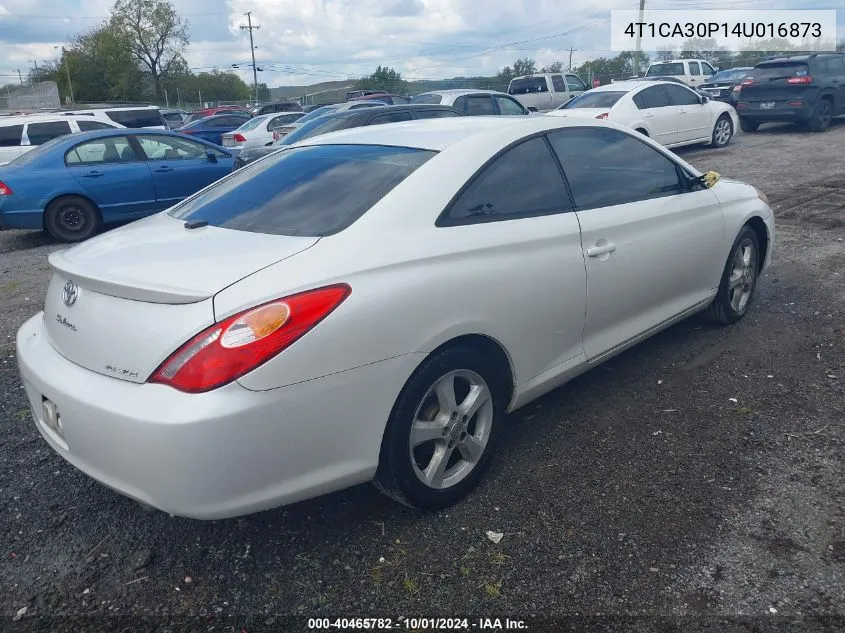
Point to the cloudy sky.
(301, 42)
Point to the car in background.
(348, 119)
(364, 93)
(541, 92)
(203, 113)
(692, 72)
(278, 106)
(20, 134)
(310, 108)
(258, 131)
(128, 116)
(671, 114)
(284, 130)
(384, 97)
(474, 102)
(804, 89)
(212, 128)
(173, 117)
(725, 85)
(74, 184)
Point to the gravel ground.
(696, 477)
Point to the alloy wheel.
(743, 275)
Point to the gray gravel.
(696, 476)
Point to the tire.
(822, 116)
(739, 280)
(748, 126)
(72, 219)
(463, 444)
(723, 132)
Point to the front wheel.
(748, 126)
(71, 219)
(442, 430)
(739, 279)
(722, 131)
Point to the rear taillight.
(239, 138)
(742, 105)
(747, 82)
(603, 116)
(737, 88)
(229, 349)
(5, 190)
(796, 104)
(806, 79)
(186, 131)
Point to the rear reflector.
(800, 80)
(603, 116)
(742, 105)
(239, 138)
(4, 189)
(737, 88)
(796, 104)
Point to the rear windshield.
(196, 116)
(304, 191)
(785, 70)
(527, 85)
(251, 124)
(313, 128)
(314, 114)
(674, 68)
(136, 118)
(729, 75)
(432, 99)
(602, 99)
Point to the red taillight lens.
(229, 349)
(796, 104)
(239, 138)
(737, 88)
(800, 80)
(747, 82)
(5, 190)
(603, 116)
(186, 131)
(742, 105)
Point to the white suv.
(19, 134)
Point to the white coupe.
(369, 304)
(670, 113)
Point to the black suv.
(805, 89)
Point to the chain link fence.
(30, 98)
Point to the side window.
(707, 69)
(10, 135)
(678, 95)
(593, 158)
(558, 83)
(694, 69)
(88, 126)
(170, 148)
(478, 105)
(524, 181)
(431, 113)
(390, 117)
(42, 132)
(112, 149)
(508, 106)
(574, 83)
(654, 97)
(460, 104)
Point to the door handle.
(682, 112)
(598, 250)
(648, 116)
(93, 174)
(163, 169)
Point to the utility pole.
(250, 28)
(639, 42)
(571, 50)
(20, 77)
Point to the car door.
(527, 245)
(693, 117)
(836, 71)
(115, 177)
(661, 120)
(180, 167)
(653, 246)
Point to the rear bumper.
(781, 112)
(224, 453)
(22, 219)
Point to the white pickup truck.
(691, 71)
(546, 91)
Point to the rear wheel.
(722, 131)
(71, 219)
(748, 126)
(822, 116)
(739, 279)
(441, 433)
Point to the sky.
(303, 42)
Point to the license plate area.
(767, 105)
(228, 142)
(51, 421)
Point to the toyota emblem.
(70, 293)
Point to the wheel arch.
(66, 194)
(758, 225)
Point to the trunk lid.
(122, 303)
(581, 113)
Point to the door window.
(478, 105)
(558, 83)
(654, 97)
(168, 148)
(680, 96)
(694, 68)
(42, 132)
(508, 106)
(707, 69)
(574, 82)
(606, 167)
(112, 149)
(460, 104)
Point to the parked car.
(546, 91)
(212, 128)
(725, 85)
(671, 114)
(804, 89)
(203, 113)
(258, 131)
(363, 93)
(383, 97)
(74, 184)
(310, 108)
(278, 328)
(278, 106)
(284, 130)
(692, 72)
(174, 118)
(474, 102)
(347, 119)
(20, 134)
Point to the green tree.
(556, 67)
(263, 92)
(619, 67)
(155, 35)
(384, 78)
(524, 66)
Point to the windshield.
(527, 85)
(304, 191)
(314, 114)
(729, 75)
(673, 68)
(312, 128)
(601, 99)
(253, 123)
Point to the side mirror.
(211, 156)
(704, 99)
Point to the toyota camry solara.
(371, 304)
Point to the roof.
(627, 86)
(460, 91)
(798, 58)
(348, 114)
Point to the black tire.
(717, 139)
(725, 309)
(72, 219)
(822, 116)
(748, 126)
(398, 464)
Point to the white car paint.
(258, 131)
(693, 72)
(670, 125)
(311, 419)
(10, 152)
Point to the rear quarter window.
(304, 191)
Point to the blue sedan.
(74, 184)
(212, 128)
